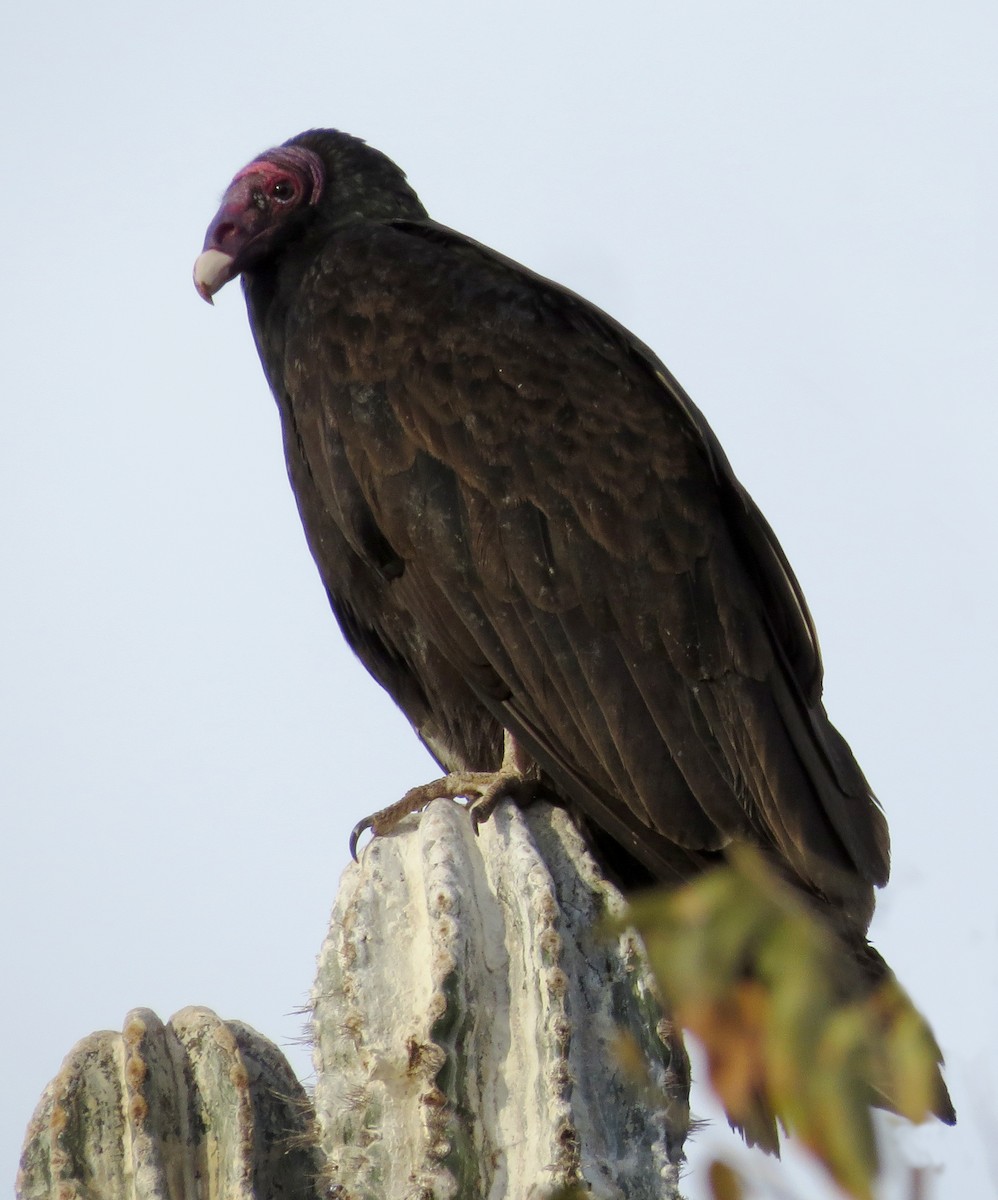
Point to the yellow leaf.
(725, 1183)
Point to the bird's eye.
(282, 191)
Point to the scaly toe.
(470, 785)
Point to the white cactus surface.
(468, 1016)
(468, 1013)
(196, 1109)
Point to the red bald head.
(260, 204)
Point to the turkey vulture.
(532, 538)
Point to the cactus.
(467, 1019)
(197, 1109)
(467, 1015)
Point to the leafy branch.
(790, 1027)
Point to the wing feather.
(574, 547)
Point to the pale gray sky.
(793, 203)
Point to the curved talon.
(355, 834)
(477, 818)
(481, 808)
(516, 778)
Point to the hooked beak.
(212, 271)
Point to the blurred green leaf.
(791, 1028)
(725, 1183)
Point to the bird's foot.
(516, 780)
(521, 789)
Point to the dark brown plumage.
(524, 523)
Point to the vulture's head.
(315, 181)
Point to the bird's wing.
(568, 535)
